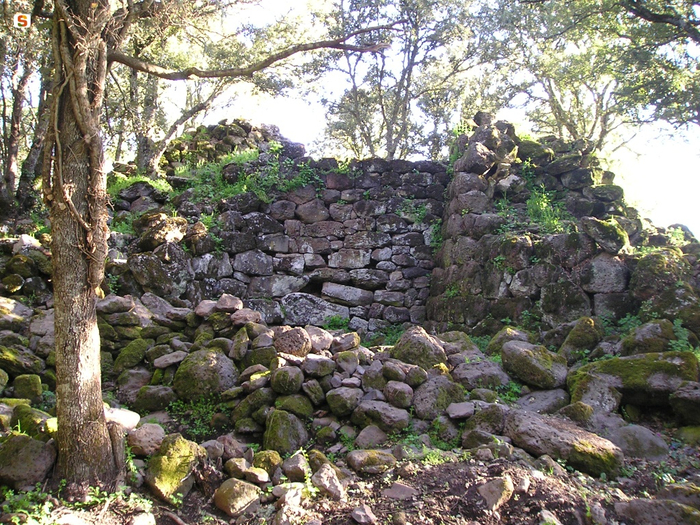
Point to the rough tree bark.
(74, 187)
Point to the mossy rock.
(24, 461)
(563, 302)
(297, 404)
(28, 386)
(534, 364)
(284, 432)
(21, 265)
(259, 356)
(654, 336)
(234, 496)
(287, 380)
(107, 331)
(128, 333)
(417, 347)
(13, 283)
(253, 402)
(240, 345)
(4, 379)
(689, 435)
(31, 421)
(268, 460)
(533, 151)
(608, 234)
(506, 334)
(204, 373)
(17, 362)
(645, 379)
(584, 336)
(132, 354)
(656, 273)
(342, 401)
(432, 398)
(170, 473)
(219, 320)
(370, 461)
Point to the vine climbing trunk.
(74, 188)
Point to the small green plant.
(434, 457)
(119, 181)
(452, 291)
(413, 211)
(33, 507)
(347, 440)
(510, 392)
(682, 343)
(500, 262)
(336, 322)
(196, 415)
(544, 210)
(124, 224)
(112, 283)
(388, 336)
(435, 233)
(482, 341)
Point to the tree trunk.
(75, 191)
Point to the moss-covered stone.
(4, 379)
(234, 496)
(240, 345)
(534, 364)
(370, 461)
(287, 380)
(417, 347)
(585, 335)
(21, 265)
(609, 234)
(297, 404)
(31, 421)
(170, 471)
(284, 432)
(107, 331)
(132, 354)
(563, 302)
(268, 460)
(24, 461)
(204, 373)
(259, 356)
(13, 283)
(651, 337)
(435, 395)
(128, 332)
(253, 402)
(645, 379)
(17, 362)
(579, 412)
(689, 435)
(506, 334)
(28, 386)
(657, 272)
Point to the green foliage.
(33, 507)
(387, 336)
(682, 343)
(119, 181)
(413, 211)
(48, 401)
(545, 211)
(482, 341)
(112, 283)
(197, 415)
(452, 291)
(510, 392)
(435, 232)
(336, 322)
(124, 224)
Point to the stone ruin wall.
(383, 243)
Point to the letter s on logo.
(22, 20)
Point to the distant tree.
(393, 95)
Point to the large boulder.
(583, 337)
(24, 461)
(645, 379)
(417, 347)
(235, 496)
(204, 373)
(303, 308)
(433, 397)
(654, 336)
(170, 473)
(534, 364)
(382, 414)
(561, 439)
(284, 432)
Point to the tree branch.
(193, 72)
(686, 25)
